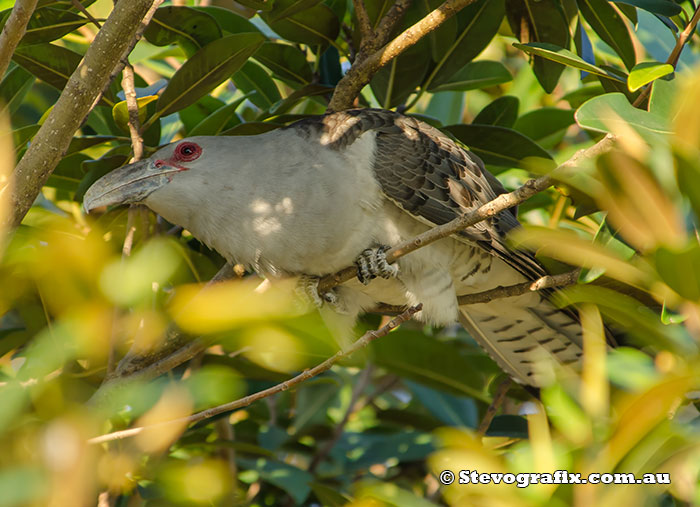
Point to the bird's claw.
(307, 290)
(372, 263)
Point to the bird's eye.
(188, 151)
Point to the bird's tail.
(527, 341)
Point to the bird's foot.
(372, 263)
(307, 290)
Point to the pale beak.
(128, 184)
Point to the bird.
(338, 189)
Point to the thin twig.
(546, 282)
(491, 208)
(365, 340)
(13, 31)
(498, 398)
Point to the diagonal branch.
(546, 282)
(13, 31)
(365, 340)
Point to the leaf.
(52, 64)
(219, 120)
(610, 27)
(120, 112)
(253, 78)
(49, 24)
(646, 72)
(477, 25)
(285, 8)
(285, 61)
(291, 479)
(229, 21)
(251, 128)
(258, 5)
(512, 426)
(663, 7)
(192, 29)
(605, 112)
(680, 269)
(315, 26)
(414, 356)
(540, 21)
(499, 146)
(561, 55)
(501, 112)
(312, 90)
(68, 173)
(83, 143)
(394, 82)
(22, 135)
(362, 450)
(663, 96)
(206, 69)
(688, 176)
(451, 410)
(95, 169)
(329, 496)
(441, 39)
(13, 88)
(546, 126)
(476, 75)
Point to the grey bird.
(325, 192)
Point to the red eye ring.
(187, 151)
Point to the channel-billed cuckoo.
(330, 191)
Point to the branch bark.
(365, 340)
(364, 67)
(75, 102)
(13, 31)
(546, 282)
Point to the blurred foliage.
(512, 80)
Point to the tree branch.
(13, 31)
(365, 340)
(546, 282)
(491, 208)
(364, 68)
(75, 102)
(366, 30)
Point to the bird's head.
(135, 182)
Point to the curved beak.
(128, 184)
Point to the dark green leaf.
(610, 27)
(192, 29)
(291, 479)
(221, 119)
(561, 55)
(52, 64)
(546, 126)
(312, 90)
(68, 173)
(603, 113)
(540, 21)
(315, 26)
(209, 67)
(688, 175)
(443, 37)
(646, 72)
(473, 75)
(285, 8)
(629, 11)
(477, 25)
(83, 143)
(501, 112)
(663, 97)
(258, 5)
(450, 410)
(512, 426)
(13, 89)
(500, 146)
(581, 95)
(253, 78)
(251, 128)
(361, 450)
(228, 20)
(199, 111)
(329, 496)
(22, 135)
(394, 82)
(49, 24)
(285, 61)
(663, 7)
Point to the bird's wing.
(428, 175)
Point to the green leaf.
(312, 90)
(95, 169)
(83, 143)
(285, 8)
(546, 126)
(317, 26)
(441, 39)
(646, 72)
(476, 75)
(285, 61)
(22, 135)
(219, 120)
(540, 21)
(448, 409)
(663, 7)
(253, 78)
(499, 146)
(477, 25)
(13, 88)
(52, 64)
(229, 21)
(120, 112)
(49, 24)
(512, 426)
(329, 496)
(206, 69)
(680, 269)
(688, 176)
(561, 55)
(192, 29)
(68, 173)
(251, 128)
(610, 27)
(414, 355)
(258, 5)
(663, 97)
(394, 82)
(605, 112)
(291, 479)
(501, 112)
